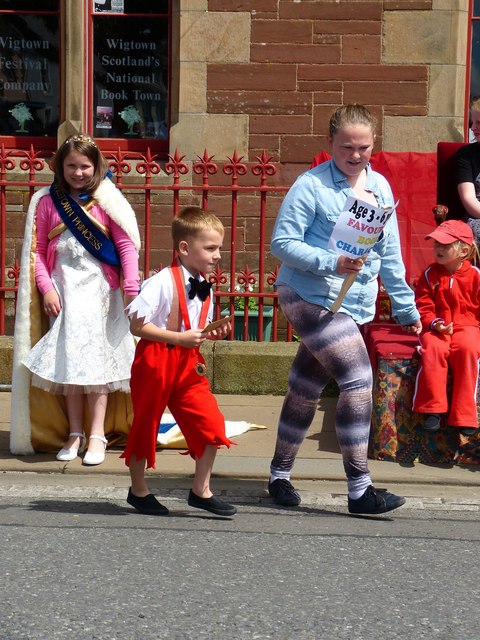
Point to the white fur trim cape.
(118, 208)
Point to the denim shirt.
(300, 240)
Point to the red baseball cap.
(452, 230)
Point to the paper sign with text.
(358, 227)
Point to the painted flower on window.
(130, 116)
(21, 113)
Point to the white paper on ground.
(232, 428)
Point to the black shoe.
(283, 493)
(432, 422)
(212, 504)
(467, 431)
(375, 501)
(148, 504)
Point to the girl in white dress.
(86, 235)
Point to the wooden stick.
(346, 284)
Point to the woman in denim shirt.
(308, 284)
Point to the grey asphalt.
(95, 570)
(241, 472)
(309, 573)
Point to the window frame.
(160, 146)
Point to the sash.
(89, 236)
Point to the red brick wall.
(306, 58)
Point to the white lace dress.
(88, 347)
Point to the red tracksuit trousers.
(459, 352)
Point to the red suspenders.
(179, 303)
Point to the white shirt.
(154, 301)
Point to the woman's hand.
(347, 265)
(51, 303)
(415, 327)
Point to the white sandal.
(95, 458)
(65, 455)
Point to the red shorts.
(161, 376)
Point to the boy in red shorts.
(169, 315)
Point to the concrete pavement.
(243, 470)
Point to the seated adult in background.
(468, 172)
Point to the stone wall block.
(193, 5)
(445, 103)
(450, 5)
(6, 359)
(282, 31)
(428, 37)
(330, 10)
(420, 134)
(340, 27)
(383, 93)
(193, 88)
(259, 102)
(251, 77)
(214, 37)
(367, 72)
(361, 49)
(301, 53)
(250, 367)
(302, 149)
(264, 124)
(218, 133)
(254, 6)
(408, 5)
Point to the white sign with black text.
(358, 227)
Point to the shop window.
(130, 73)
(29, 72)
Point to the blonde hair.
(191, 221)
(472, 254)
(351, 114)
(86, 146)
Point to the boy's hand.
(191, 339)
(51, 303)
(446, 329)
(220, 332)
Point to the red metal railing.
(238, 192)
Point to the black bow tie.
(200, 289)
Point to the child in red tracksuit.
(169, 315)
(448, 299)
